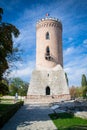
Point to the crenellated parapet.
(49, 22)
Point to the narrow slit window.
(47, 35)
(48, 50)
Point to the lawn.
(66, 121)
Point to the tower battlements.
(49, 22)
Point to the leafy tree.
(73, 92)
(84, 82)
(13, 90)
(79, 92)
(84, 85)
(85, 92)
(3, 89)
(17, 85)
(6, 44)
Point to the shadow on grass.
(67, 121)
(74, 128)
(61, 115)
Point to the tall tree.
(6, 44)
(66, 78)
(84, 85)
(84, 82)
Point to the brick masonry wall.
(54, 42)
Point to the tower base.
(48, 85)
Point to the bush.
(3, 89)
(8, 114)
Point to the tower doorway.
(47, 90)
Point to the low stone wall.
(13, 97)
(82, 114)
(47, 98)
(8, 97)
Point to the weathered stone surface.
(82, 114)
(54, 79)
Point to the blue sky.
(73, 13)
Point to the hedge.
(8, 114)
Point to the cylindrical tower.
(48, 43)
(48, 82)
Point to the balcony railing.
(50, 57)
(47, 56)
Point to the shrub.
(8, 114)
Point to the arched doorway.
(47, 90)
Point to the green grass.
(66, 121)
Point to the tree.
(12, 89)
(3, 89)
(84, 85)
(73, 92)
(66, 79)
(79, 92)
(84, 82)
(6, 44)
(17, 85)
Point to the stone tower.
(48, 83)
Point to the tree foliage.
(66, 78)
(17, 85)
(3, 89)
(76, 92)
(7, 31)
(84, 85)
(84, 82)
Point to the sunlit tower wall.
(48, 83)
(49, 43)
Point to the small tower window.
(47, 35)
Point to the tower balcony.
(48, 57)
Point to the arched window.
(47, 90)
(48, 50)
(47, 35)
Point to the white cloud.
(75, 68)
(69, 51)
(24, 70)
(85, 41)
(70, 39)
